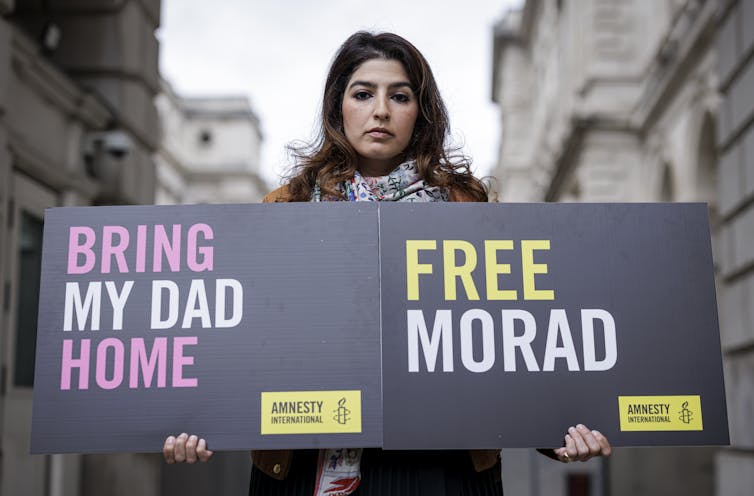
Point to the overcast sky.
(277, 53)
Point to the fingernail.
(596, 433)
(581, 427)
(571, 429)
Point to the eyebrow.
(391, 86)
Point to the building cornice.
(691, 34)
(210, 107)
(151, 8)
(572, 145)
(513, 29)
(47, 169)
(198, 173)
(54, 85)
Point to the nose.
(381, 110)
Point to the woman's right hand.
(185, 448)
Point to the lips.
(379, 132)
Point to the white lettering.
(511, 341)
(91, 304)
(467, 340)
(559, 327)
(157, 322)
(441, 331)
(588, 316)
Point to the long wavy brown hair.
(330, 159)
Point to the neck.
(377, 168)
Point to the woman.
(383, 133)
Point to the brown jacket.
(276, 463)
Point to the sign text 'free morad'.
(503, 325)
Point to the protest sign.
(401, 326)
(234, 322)
(506, 324)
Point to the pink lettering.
(171, 249)
(69, 363)
(101, 370)
(139, 362)
(110, 250)
(119, 248)
(76, 248)
(179, 361)
(141, 247)
(205, 251)
(110, 359)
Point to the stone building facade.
(643, 100)
(85, 119)
(735, 149)
(210, 150)
(78, 126)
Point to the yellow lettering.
(493, 269)
(413, 267)
(463, 272)
(530, 269)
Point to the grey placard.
(648, 265)
(325, 308)
(310, 323)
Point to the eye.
(401, 98)
(361, 95)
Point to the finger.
(191, 449)
(571, 447)
(180, 448)
(590, 440)
(168, 449)
(581, 448)
(605, 448)
(202, 452)
(562, 454)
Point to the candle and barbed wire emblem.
(342, 413)
(686, 413)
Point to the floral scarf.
(402, 184)
(339, 470)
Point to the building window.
(30, 270)
(205, 138)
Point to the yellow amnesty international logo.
(342, 413)
(311, 412)
(660, 413)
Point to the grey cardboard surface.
(310, 322)
(325, 309)
(648, 265)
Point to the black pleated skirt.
(394, 473)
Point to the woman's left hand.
(581, 444)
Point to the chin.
(381, 154)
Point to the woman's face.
(379, 112)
